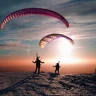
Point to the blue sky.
(21, 36)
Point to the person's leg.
(35, 70)
(38, 70)
(58, 71)
(55, 71)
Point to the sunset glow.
(65, 48)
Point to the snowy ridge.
(47, 84)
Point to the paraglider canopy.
(30, 11)
(48, 38)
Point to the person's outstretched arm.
(34, 62)
(54, 66)
(41, 62)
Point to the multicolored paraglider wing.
(29, 11)
(45, 40)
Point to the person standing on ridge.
(57, 67)
(38, 63)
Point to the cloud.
(76, 7)
(9, 45)
(80, 14)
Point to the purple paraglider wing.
(29, 11)
(45, 40)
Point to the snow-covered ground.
(47, 84)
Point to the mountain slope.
(46, 84)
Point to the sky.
(19, 39)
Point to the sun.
(65, 51)
(65, 47)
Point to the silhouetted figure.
(37, 64)
(57, 67)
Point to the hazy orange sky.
(19, 39)
(25, 64)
